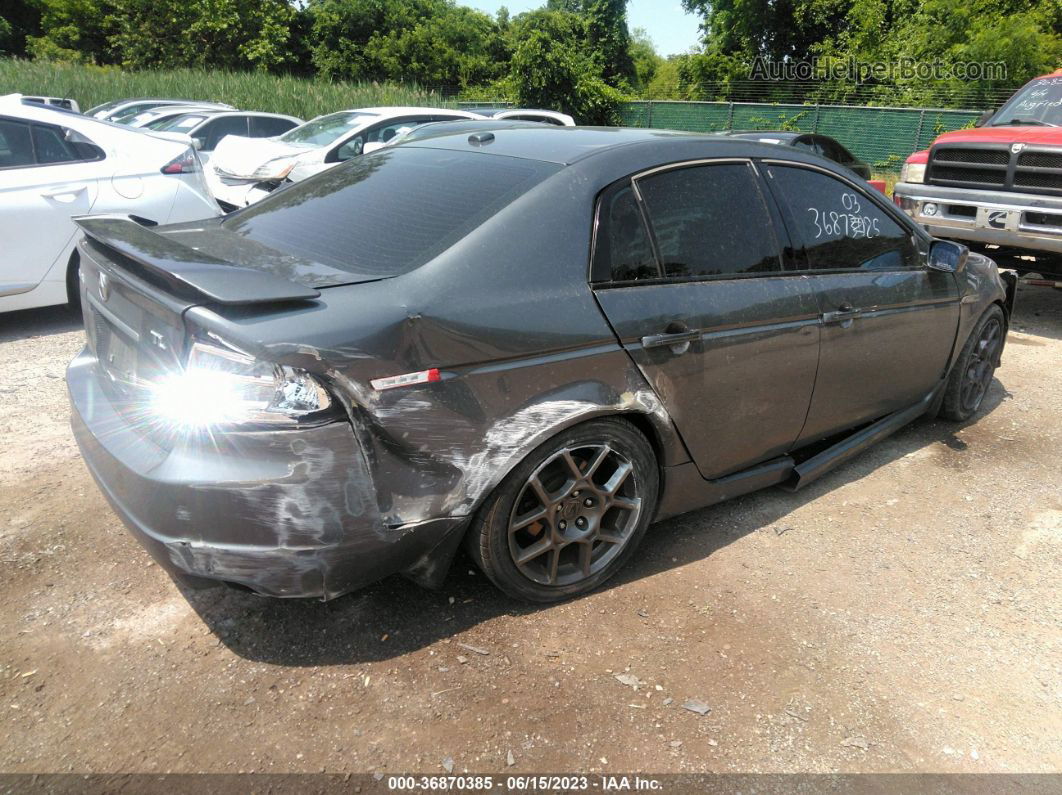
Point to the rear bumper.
(1016, 220)
(287, 513)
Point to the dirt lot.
(902, 614)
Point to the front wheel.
(570, 515)
(972, 373)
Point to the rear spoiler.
(187, 270)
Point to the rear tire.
(973, 371)
(73, 282)
(570, 515)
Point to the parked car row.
(245, 171)
(56, 164)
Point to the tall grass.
(94, 85)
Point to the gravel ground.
(902, 614)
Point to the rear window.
(388, 212)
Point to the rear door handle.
(65, 190)
(844, 312)
(670, 340)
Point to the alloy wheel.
(981, 365)
(574, 514)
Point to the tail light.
(184, 163)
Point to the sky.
(672, 30)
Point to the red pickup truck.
(998, 184)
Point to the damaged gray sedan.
(534, 342)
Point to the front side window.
(840, 227)
(710, 220)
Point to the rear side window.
(51, 147)
(622, 250)
(213, 131)
(840, 227)
(267, 127)
(388, 212)
(710, 221)
(16, 149)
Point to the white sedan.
(246, 169)
(54, 165)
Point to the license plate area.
(997, 218)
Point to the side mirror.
(984, 117)
(947, 256)
(197, 144)
(372, 146)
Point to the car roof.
(782, 135)
(567, 145)
(402, 110)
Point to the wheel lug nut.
(575, 493)
(588, 502)
(580, 523)
(563, 525)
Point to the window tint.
(213, 131)
(710, 221)
(15, 146)
(839, 226)
(622, 251)
(390, 211)
(267, 127)
(52, 147)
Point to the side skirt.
(685, 490)
(818, 465)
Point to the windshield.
(176, 123)
(389, 212)
(326, 129)
(1039, 103)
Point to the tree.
(550, 68)
(433, 42)
(609, 41)
(19, 19)
(74, 30)
(231, 34)
(645, 58)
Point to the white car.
(56, 164)
(154, 118)
(527, 114)
(120, 109)
(244, 170)
(206, 129)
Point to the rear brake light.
(184, 163)
(406, 379)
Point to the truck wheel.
(972, 373)
(570, 515)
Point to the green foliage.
(73, 30)
(609, 41)
(229, 34)
(430, 42)
(19, 19)
(93, 85)
(549, 72)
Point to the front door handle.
(679, 339)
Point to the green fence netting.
(883, 137)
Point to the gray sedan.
(534, 342)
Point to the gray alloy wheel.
(570, 515)
(972, 375)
